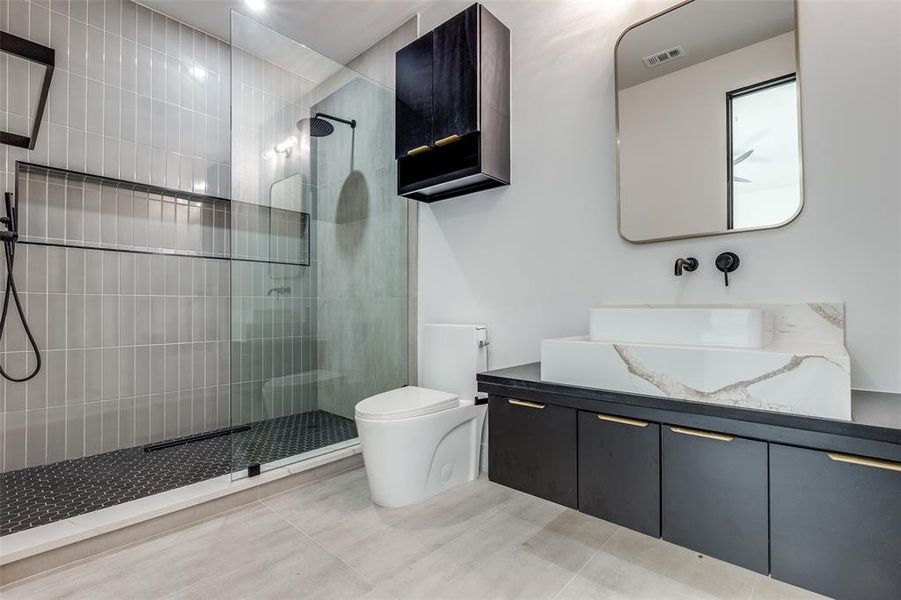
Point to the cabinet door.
(835, 523)
(413, 99)
(532, 448)
(456, 76)
(619, 471)
(715, 495)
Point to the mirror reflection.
(708, 120)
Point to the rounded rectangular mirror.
(708, 120)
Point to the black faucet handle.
(726, 263)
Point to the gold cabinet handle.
(704, 434)
(418, 150)
(623, 420)
(864, 461)
(447, 140)
(526, 404)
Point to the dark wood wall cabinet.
(452, 115)
(813, 502)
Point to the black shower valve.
(726, 263)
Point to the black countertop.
(875, 416)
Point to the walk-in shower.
(203, 307)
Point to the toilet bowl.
(420, 441)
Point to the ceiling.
(339, 29)
(705, 29)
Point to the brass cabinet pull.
(704, 434)
(865, 462)
(418, 150)
(526, 404)
(448, 140)
(623, 420)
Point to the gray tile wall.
(362, 252)
(135, 95)
(135, 349)
(135, 346)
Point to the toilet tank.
(451, 356)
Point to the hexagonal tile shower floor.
(39, 495)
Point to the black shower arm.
(352, 122)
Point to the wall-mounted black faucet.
(726, 263)
(685, 264)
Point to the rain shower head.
(318, 126)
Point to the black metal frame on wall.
(37, 53)
(23, 167)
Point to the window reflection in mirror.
(707, 120)
(766, 173)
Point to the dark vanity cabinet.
(619, 471)
(532, 448)
(715, 495)
(452, 117)
(835, 522)
(813, 502)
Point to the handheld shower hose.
(8, 238)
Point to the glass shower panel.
(319, 249)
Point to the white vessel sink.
(787, 358)
(710, 326)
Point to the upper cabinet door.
(413, 100)
(456, 76)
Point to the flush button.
(447, 471)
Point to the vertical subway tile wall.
(135, 346)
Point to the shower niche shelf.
(452, 108)
(127, 216)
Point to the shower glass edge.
(319, 291)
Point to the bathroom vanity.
(814, 502)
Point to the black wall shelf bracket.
(36, 53)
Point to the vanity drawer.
(715, 495)
(532, 448)
(619, 471)
(836, 522)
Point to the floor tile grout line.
(587, 562)
(318, 545)
(486, 515)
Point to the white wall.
(673, 140)
(530, 259)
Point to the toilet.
(420, 441)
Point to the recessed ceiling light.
(198, 72)
(257, 5)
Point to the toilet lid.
(409, 401)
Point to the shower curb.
(34, 551)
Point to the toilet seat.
(403, 403)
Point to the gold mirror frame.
(619, 198)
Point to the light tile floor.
(327, 540)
